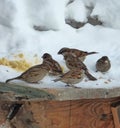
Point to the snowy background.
(22, 46)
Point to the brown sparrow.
(71, 77)
(34, 74)
(103, 64)
(74, 63)
(76, 53)
(55, 66)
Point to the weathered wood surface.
(115, 107)
(14, 92)
(25, 107)
(59, 114)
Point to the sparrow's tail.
(56, 80)
(89, 53)
(90, 77)
(12, 79)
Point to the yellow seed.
(20, 65)
(21, 55)
(13, 64)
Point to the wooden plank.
(94, 113)
(51, 114)
(56, 107)
(15, 92)
(115, 107)
(91, 114)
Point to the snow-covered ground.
(17, 36)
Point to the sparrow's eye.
(63, 50)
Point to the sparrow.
(103, 64)
(75, 63)
(71, 77)
(55, 66)
(34, 73)
(76, 53)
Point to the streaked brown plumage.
(103, 64)
(74, 63)
(72, 77)
(34, 74)
(55, 66)
(75, 52)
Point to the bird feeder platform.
(26, 107)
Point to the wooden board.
(28, 93)
(17, 92)
(115, 107)
(60, 114)
(25, 107)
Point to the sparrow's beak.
(60, 52)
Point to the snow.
(76, 11)
(17, 19)
(106, 10)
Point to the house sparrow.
(74, 63)
(71, 77)
(76, 53)
(55, 66)
(34, 74)
(103, 64)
